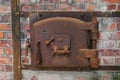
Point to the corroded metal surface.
(61, 39)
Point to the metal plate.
(75, 34)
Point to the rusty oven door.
(62, 41)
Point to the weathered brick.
(90, 7)
(34, 78)
(23, 53)
(1, 34)
(25, 60)
(5, 27)
(107, 35)
(88, 1)
(117, 53)
(8, 35)
(5, 18)
(9, 51)
(78, 1)
(27, 27)
(2, 68)
(64, 7)
(4, 9)
(107, 52)
(107, 44)
(63, 1)
(24, 1)
(117, 61)
(5, 60)
(37, 6)
(112, 1)
(81, 78)
(47, 0)
(50, 6)
(55, 1)
(117, 35)
(27, 7)
(1, 50)
(117, 19)
(52, 77)
(111, 7)
(118, 26)
(8, 68)
(107, 77)
(5, 43)
(112, 27)
(118, 44)
(27, 34)
(78, 7)
(108, 61)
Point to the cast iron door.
(64, 42)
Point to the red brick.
(117, 35)
(111, 7)
(1, 68)
(34, 78)
(90, 7)
(107, 52)
(28, 34)
(1, 50)
(50, 6)
(25, 60)
(81, 78)
(117, 53)
(64, 7)
(78, 1)
(112, 27)
(4, 9)
(23, 1)
(5, 60)
(118, 26)
(5, 43)
(106, 76)
(8, 68)
(37, 6)
(23, 52)
(88, 1)
(117, 19)
(8, 35)
(47, 0)
(108, 60)
(27, 27)
(1, 35)
(5, 27)
(112, 1)
(117, 61)
(9, 51)
(54, 1)
(63, 1)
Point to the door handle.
(65, 50)
(38, 55)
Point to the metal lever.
(64, 51)
(27, 46)
(49, 41)
(38, 55)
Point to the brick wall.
(6, 54)
(108, 44)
